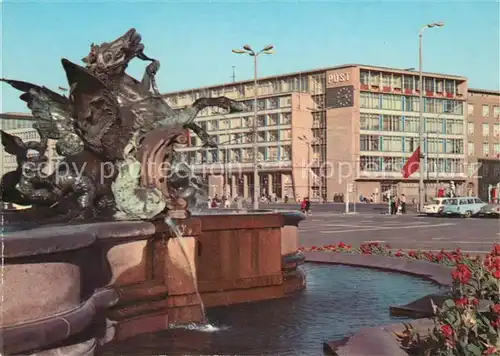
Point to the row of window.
(237, 155)
(485, 149)
(409, 103)
(486, 110)
(376, 143)
(408, 81)
(485, 129)
(399, 123)
(246, 137)
(274, 119)
(396, 164)
(262, 104)
(13, 124)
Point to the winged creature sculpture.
(108, 127)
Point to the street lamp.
(256, 181)
(421, 187)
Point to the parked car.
(434, 207)
(462, 206)
(490, 210)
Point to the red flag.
(412, 164)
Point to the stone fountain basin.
(136, 276)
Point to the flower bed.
(460, 328)
(449, 258)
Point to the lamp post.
(256, 181)
(421, 187)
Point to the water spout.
(179, 239)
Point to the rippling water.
(338, 301)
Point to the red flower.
(490, 351)
(447, 331)
(313, 247)
(495, 308)
(462, 302)
(412, 253)
(462, 274)
(496, 274)
(399, 253)
(496, 323)
(496, 250)
(341, 245)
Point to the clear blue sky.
(193, 40)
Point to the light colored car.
(462, 206)
(490, 210)
(434, 207)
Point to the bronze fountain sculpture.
(117, 137)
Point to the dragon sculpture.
(114, 133)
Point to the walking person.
(393, 205)
(403, 204)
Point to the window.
(272, 136)
(408, 82)
(285, 135)
(272, 119)
(470, 148)
(486, 110)
(486, 129)
(454, 146)
(470, 128)
(449, 86)
(286, 153)
(391, 123)
(411, 103)
(370, 100)
(375, 79)
(285, 102)
(496, 111)
(369, 163)
(272, 103)
(364, 77)
(429, 84)
(496, 130)
(369, 143)
(496, 149)
(392, 164)
(272, 153)
(411, 124)
(286, 118)
(470, 109)
(396, 81)
(392, 144)
(454, 127)
(369, 121)
(386, 80)
(439, 85)
(486, 148)
(391, 102)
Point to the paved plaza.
(402, 231)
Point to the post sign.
(339, 77)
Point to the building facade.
(483, 142)
(337, 130)
(346, 129)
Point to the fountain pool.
(338, 301)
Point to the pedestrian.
(303, 205)
(308, 206)
(403, 204)
(393, 205)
